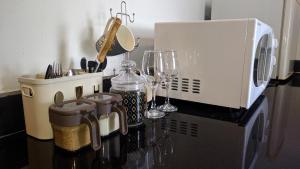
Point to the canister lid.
(72, 107)
(105, 98)
(128, 80)
(70, 113)
(117, 97)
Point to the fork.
(57, 70)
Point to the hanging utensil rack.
(123, 14)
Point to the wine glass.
(168, 70)
(149, 70)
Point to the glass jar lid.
(127, 79)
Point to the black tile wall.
(11, 114)
(13, 151)
(297, 66)
(296, 81)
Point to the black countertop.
(197, 137)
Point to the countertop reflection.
(198, 136)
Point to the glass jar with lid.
(133, 91)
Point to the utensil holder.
(38, 95)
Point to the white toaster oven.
(221, 62)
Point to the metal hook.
(123, 3)
(123, 13)
(127, 16)
(110, 10)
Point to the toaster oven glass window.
(262, 61)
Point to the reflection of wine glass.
(149, 69)
(168, 70)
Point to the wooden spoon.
(109, 38)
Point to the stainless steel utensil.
(54, 71)
(57, 70)
(70, 73)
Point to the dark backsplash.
(297, 66)
(11, 114)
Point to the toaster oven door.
(263, 59)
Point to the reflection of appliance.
(278, 122)
(282, 15)
(226, 63)
(219, 144)
(255, 134)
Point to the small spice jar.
(75, 125)
(111, 113)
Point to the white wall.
(298, 50)
(35, 33)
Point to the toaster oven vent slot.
(174, 85)
(194, 130)
(196, 86)
(183, 127)
(173, 126)
(185, 85)
(163, 124)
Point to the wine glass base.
(154, 114)
(167, 108)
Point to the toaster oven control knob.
(275, 43)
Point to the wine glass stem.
(167, 101)
(153, 103)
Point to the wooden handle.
(109, 38)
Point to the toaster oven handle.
(275, 46)
(273, 56)
(122, 118)
(94, 127)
